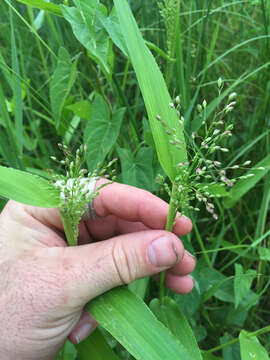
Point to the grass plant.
(81, 72)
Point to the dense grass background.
(214, 38)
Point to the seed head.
(232, 96)
(177, 99)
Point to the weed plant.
(59, 86)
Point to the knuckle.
(122, 264)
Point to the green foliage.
(154, 91)
(95, 347)
(85, 22)
(67, 73)
(251, 347)
(27, 188)
(43, 5)
(137, 171)
(101, 132)
(242, 283)
(243, 186)
(171, 316)
(61, 84)
(121, 313)
(68, 352)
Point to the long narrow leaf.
(43, 5)
(130, 321)
(154, 91)
(27, 188)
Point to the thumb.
(98, 267)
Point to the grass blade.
(27, 188)
(154, 91)
(121, 312)
(43, 5)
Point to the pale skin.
(45, 284)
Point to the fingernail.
(82, 332)
(162, 252)
(189, 254)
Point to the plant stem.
(69, 231)
(169, 226)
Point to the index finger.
(137, 205)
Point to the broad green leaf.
(137, 171)
(242, 283)
(189, 303)
(95, 347)
(230, 352)
(43, 5)
(85, 22)
(111, 25)
(68, 352)
(154, 91)
(264, 253)
(61, 83)
(214, 283)
(172, 317)
(27, 188)
(81, 108)
(101, 131)
(250, 347)
(130, 321)
(244, 185)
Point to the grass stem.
(169, 226)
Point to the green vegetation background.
(52, 89)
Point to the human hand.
(45, 284)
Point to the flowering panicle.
(204, 177)
(76, 186)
